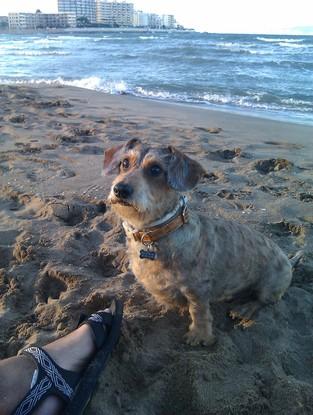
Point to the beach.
(62, 250)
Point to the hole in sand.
(267, 166)
(50, 286)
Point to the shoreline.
(62, 251)
(241, 112)
(237, 111)
(239, 121)
(95, 29)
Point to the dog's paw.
(243, 314)
(199, 337)
(244, 324)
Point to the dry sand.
(62, 251)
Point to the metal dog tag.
(147, 254)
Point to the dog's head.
(148, 180)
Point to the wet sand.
(62, 251)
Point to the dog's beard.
(123, 207)
(122, 203)
(140, 213)
(131, 212)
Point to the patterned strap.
(97, 321)
(52, 380)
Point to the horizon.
(241, 18)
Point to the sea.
(260, 75)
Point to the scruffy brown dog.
(184, 259)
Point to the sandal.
(75, 389)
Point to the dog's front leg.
(200, 329)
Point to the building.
(154, 21)
(115, 13)
(80, 8)
(168, 21)
(22, 21)
(38, 20)
(141, 19)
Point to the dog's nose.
(122, 190)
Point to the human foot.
(60, 364)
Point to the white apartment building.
(79, 8)
(154, 21)
(115, 13)
(141, 19)
(22, 21)
(168, 21)
(38, 20)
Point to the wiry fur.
(204, 261)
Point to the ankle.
(74, 351)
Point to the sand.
(62, 251)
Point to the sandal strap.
(51, 380)
(39, 392)
(97, 321)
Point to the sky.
(218, 16)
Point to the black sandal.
(75, 389)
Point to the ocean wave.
(291, 45)
(11, 46)
(259, 101)
(108, 38)
(142, 92)
(93, 82)
(299, 102)
(241, 48)
(277, 40)
(45, 41)
(70, 37)
(37, 53)
(252, 100)
(148, 37)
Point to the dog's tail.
(294, 260)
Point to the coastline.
(95, 29)
(62, 252)
(240, 123)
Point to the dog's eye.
(125, 164)
(155, 170)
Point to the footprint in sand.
(226, 154)
(267, 166)
(52, 104)
(51, 284)
(77, 135)
(277, 191)
(212, 130)
(17, 119)
(306, 197)
(74, 212)
(96, 150)
(284, 228)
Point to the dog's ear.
(183, 173)
(112, 156)
(112, 160)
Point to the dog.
(182, 258)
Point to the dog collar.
(162, 227)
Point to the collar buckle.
(146, 239)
